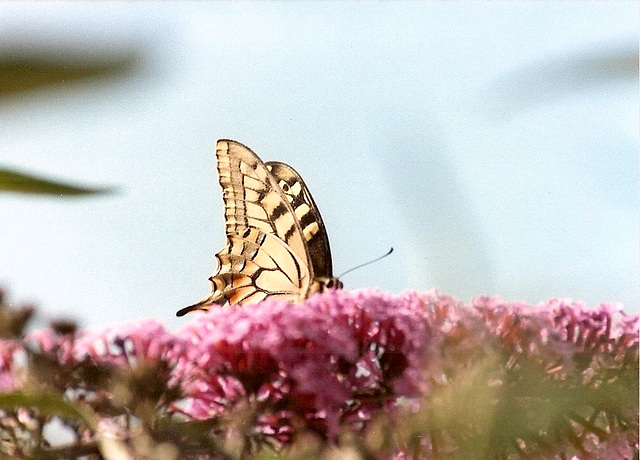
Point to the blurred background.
(493, 145)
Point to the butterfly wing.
(253, 198)
(306, 211)
(254, 266)
(266, 253)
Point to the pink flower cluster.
(344, 356)
(125, 345)
(11, 353)
(563, 334)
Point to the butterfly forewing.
(253, 198)
(308, 216)
(277, 245)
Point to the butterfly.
(277, 245)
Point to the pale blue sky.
(493, 145)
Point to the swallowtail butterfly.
(277, 244)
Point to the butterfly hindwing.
(255, 266)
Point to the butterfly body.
(277, 245)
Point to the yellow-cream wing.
(266, 253)
(254, 266)
(253, 198)
(308, 216)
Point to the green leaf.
(46, 403)
(13, 181)
(26, 72)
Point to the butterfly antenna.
(366, 263)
